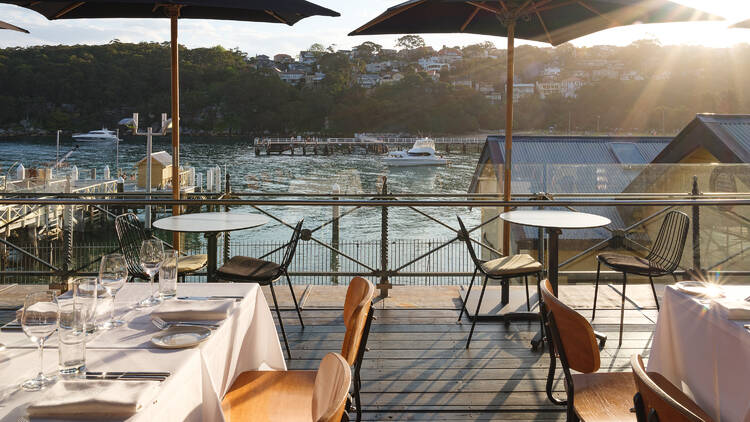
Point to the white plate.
(700, 288)
(180, 337)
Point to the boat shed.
(161, 170)
(557, 165)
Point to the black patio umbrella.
(550, 21)
(273, 11)
(6, 25)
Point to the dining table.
(199, 376)
(211, 224)
(701, 344)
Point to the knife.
(210, 297)
(126, 376)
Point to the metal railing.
(385, 259)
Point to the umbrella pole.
(508, 131)
(174, 13)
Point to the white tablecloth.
(246, 340)
(708, 356)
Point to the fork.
(163, 325)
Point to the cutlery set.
(126, 376)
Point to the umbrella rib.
(277, 17)
(592, 10)
(471, 18)
(542, 8)
(502, 3)
(485, 7)
(68, 9)
(541, 21)
(387, 15)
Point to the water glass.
(113, 273)
(152, 255)
(39, 321)
(86, 291)
(71, 335)
(168, 275)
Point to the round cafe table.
(211, 224)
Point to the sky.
(270, 39)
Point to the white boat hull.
(411, 162)
(90, 139)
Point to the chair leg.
(596, 288)
(571, 415)
(476, 314)
(653, 289)
(294, 298)
(468, 292)
(528, 298)
(281, 322)
(357, 400)
(622, 305)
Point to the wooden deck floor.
(417, 367)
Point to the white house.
(292, 77)
(450, 55)
(308, 57)
(368, 80)
(522, 90)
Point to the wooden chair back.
(653, 404)
(577, 341)
(331, 389)
(356, 308)
(130, 236)
(667, 251)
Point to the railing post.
(696, 229)
(384, 284)
(227, 194)
(335, 214)
(62, 283)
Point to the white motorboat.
(97, 135)
(421, 154)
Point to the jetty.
(357, 145)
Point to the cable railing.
(723, 235)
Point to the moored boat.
(422, 153)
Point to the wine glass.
(152, 255)
(113, 273)
(39, 320)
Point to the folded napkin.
(736, 309)
(93, 400)
(194, 310)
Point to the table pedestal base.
(493, 308)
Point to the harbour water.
(274, 174)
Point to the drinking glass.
(113, 273)
(86, 292)
(39, 321)
(71, 335)
(152, 255)
(168, 275)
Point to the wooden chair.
(663, 258)
(659, 400)
(591, 395)
(358, 314)
(244, 269)
(130, 236)
(295, 396)
(503, 269)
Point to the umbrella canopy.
(550, 21)
(6, 25)
(273, 11)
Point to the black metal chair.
(504, 268)
(243, 269)
(663, 258)
(130, 236)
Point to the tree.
(410, 42)
(368, 50)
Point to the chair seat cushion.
(510, 265)
(604, 396)
(249, 269)
(270, 396)
(191, 263)
(628, 263)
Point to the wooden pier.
(363, 146)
